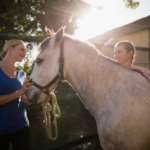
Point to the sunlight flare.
(92, 24)
(98, 21)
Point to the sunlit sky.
(113, 15)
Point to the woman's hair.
(13, 43)
(129, 46)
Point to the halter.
(60, 75)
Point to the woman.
(124, 53)
(13, 86)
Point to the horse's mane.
(66, 37)
(85, 44)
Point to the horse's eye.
(39, 60)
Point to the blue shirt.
(13, 116)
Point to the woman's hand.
(26, 85)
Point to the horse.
(118, 98)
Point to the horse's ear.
(58, 36)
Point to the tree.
(28, 17)
(131, 4)
(27, 66)
(34, 16)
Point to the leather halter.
(60, 75)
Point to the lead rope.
(47, 108)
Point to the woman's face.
(19, 52)
(122, 55)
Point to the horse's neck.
(85, 70)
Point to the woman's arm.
(4, 99)
(143, 70)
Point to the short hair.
(13, 43)
(129, 46)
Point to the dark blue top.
(13, 116)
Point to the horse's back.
(128, 125)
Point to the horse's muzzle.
(33, 100)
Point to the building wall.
(139, 39)
(142, 59)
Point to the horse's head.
(45, 74)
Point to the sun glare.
(97, 21)
(95, 2)
(92, 24)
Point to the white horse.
(119, 99)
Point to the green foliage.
(67, 93)
(30, 17)
(2, 42)
(28, 61)
(33, 16)
(131, 4)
